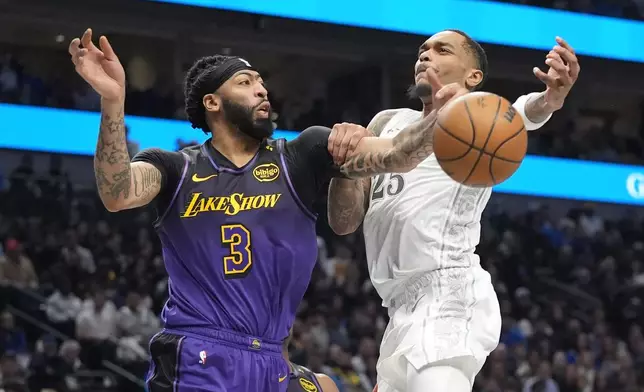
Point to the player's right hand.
(99, 67)
(344, 139)
(443, 93)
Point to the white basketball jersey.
(419, 221)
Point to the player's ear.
(473, 78)
(212, 103)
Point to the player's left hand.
(562, 74)
(344, 139)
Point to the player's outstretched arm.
(410, 147)
(349, 198)
(562, 74)
(398, 155)
(121, 185)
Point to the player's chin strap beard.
(419, 91)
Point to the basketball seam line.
(517, 133)
(471, 147)
(489, 135)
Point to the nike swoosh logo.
(283, 378)
(196, 178)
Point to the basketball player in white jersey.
(421, 228)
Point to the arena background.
(563, 239)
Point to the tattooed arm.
(349, 198)
(398, 155)
(534, 110)
(121, 184)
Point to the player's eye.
(245, 82)
(444, 50)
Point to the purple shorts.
(218, 361)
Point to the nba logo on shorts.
(202, 357)
(255, 344)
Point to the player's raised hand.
(99, 66)
(344, 139)
(443, 93)
(562, 73)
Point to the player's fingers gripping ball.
(480, 140)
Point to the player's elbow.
(343, 228)
(112, 205)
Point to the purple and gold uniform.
(239, 246)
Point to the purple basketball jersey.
(238, 246)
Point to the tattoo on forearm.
(536, 109)
(111, 160)
(410, 147)
(347, 204)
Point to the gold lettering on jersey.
(267, 172)
(308, 385)
(229, 205)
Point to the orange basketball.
(480, 139)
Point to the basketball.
(480, 139)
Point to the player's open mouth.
(264, 109)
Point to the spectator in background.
(9, 91)
(12, 376)
(69, 353)
(542, 382)
(136, 324)
(95, 327)
(55, 183)
(46, 366)
(12, 338)
(63, 307)
(21, 178)
(76, 256)
(16, 269)
(137, 319)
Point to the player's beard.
(243, 117)
(419, 91)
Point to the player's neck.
(237, 147)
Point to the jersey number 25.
(395, 185)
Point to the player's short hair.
(198, 83)
(474, 49)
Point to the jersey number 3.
(395, 185)
(239, 261)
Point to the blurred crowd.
(580, 133)
(629, 9)
(82, 290)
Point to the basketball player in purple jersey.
(235, 218)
